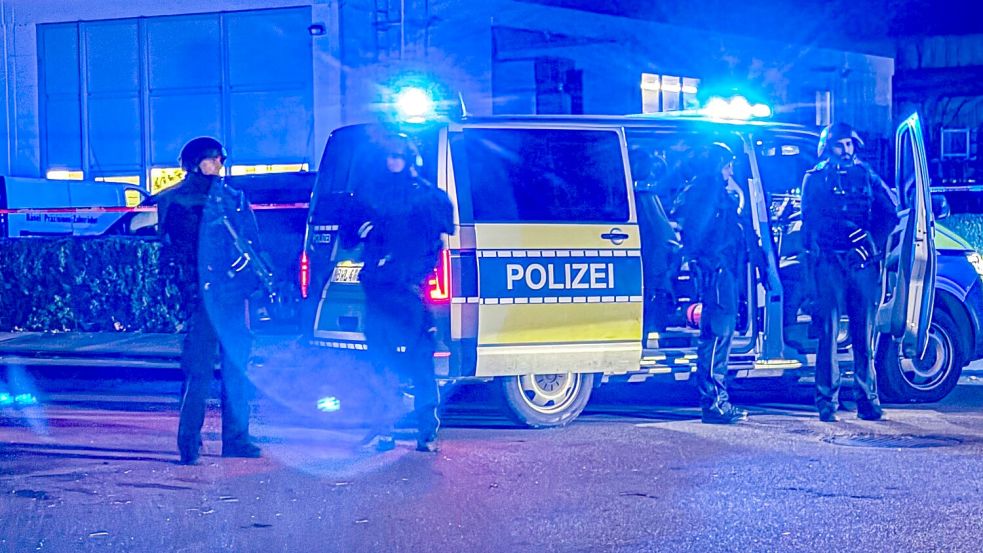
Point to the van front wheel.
(929, 378)
(546, 400)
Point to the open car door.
(908, 290)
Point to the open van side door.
(908, 288)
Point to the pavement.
(626, 477)
(96, 349)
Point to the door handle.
(615, 236)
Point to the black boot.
(729, 415)
(245, 450)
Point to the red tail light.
(439, 285)
(305, 274)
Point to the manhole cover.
(900, 441)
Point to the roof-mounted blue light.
(735, 107)
(414, 105)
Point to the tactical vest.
(846, 204)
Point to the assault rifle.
(248, 256)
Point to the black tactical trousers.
(718, 319)
(400, 337)
(201, 349)
(845, 287)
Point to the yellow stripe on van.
(539, 323)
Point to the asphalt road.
(92, 468)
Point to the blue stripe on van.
(567, 276)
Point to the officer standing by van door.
(193, 217)
(400, 218)
(848, 214)
(660, 245)
(716, 242)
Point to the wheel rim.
(550, 393)
(931, 369)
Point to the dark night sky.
(866, 25)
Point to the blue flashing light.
(329, 404)
(736, 107)
(6, 399)
(414, 105)
(25, 399)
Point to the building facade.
(112, 89)
(941, 77)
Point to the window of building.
(668, 93)
(124, 179)
(238, 170)
(64, 174)
(162, 178)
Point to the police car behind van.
(541, 288)
(44, 207)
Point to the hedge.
(969, 226)
(91, 285)
(116, 284)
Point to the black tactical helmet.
(836, 132)
(198, 149)
(707, 159)
(400, 145)
(718, 155)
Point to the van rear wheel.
(546, 400)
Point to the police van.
(548, 286)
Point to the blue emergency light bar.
(735, 107)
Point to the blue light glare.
(25, 399)
(737, 107)
(414, 105)
(328, 404)
(6, 399)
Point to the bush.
(969, 226)
(91, 285)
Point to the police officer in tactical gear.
(400, 218)
(716, 240)
(848, 214)
(660, 245)
(197, 244)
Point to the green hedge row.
(116, 284)
(89, 285)
(969, 226)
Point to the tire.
(546, 400)
(929, 379)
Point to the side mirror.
(940, 206)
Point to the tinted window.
(783, 163)
(353, 154)
(542, 175)
(662, 162)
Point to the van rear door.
(547, 218)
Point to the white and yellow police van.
(542, 288)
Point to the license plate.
(345, 275)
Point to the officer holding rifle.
(209, 236)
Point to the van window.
(662, 163)
(351, 157)
(542, 175)
(783, 162)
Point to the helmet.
(836, 132)
(401, 146)
(707, 160)
(198, 149)
(718, 156)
